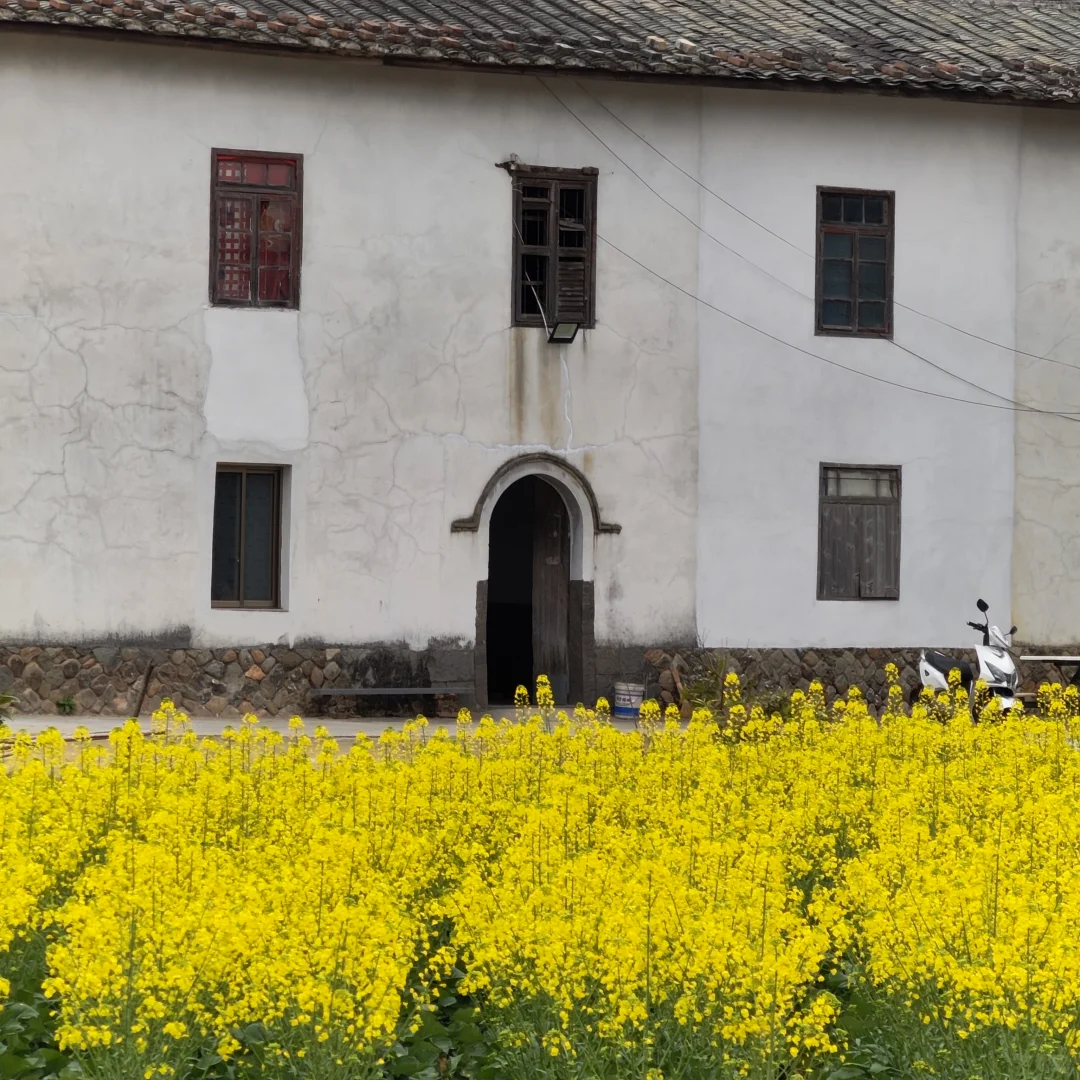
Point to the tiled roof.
(1021, 51)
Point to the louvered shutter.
(573, 244)
(572, 304)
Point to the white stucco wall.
(392, 395)
(1046, 577)
(770, 415)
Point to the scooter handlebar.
(976, 626)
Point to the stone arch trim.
(522, 464)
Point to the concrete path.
(372, 727)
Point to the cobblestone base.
(769, 672)
(273, 680)
(764, 672)
(267, 680)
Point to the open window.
(554, 246)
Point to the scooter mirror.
(1012, 630)
(983, 606)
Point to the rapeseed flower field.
(823, 894)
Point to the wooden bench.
(1060, 663)
(394, 691)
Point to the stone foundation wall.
(274, 680)
(764, 672)
(268, 680)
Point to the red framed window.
(255, 234)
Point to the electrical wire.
(1018, 406)
(817, 356)
(802, 251)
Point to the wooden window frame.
(887, 230)
(826, 499)
(278, 472)
(218, 189)
(520, 176)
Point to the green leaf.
(49, 1061)
(429, 1026)
(12, 1066)
(424, 1052)
(406, 1066)
(847, 1072)
(253, 1035)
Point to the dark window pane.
(875, 211)
(259, 507)
(836, 279)
(853, 209)
(872, 316)
(572, 204)
(836, 313)
(534, 275)
(571, 238)
(831, 207)
(872, 281)
(225, 559)
(534, 191)
(836, 245)
(534, 227)
(872, 249)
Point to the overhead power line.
(1014, 405)
(818, 356)
(802, 251)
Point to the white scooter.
(996, 666)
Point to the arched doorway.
(528, 590)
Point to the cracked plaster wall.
(392, 395)
(1046, 559)
(770, 416)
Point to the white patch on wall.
(256, 387)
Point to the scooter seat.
(945, 663)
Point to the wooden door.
(551, 589)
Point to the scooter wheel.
(916, 691)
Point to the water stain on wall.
(516, 382)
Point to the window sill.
(246, 608)
(252, 307)
(858, 599)
(866, 335)
(546, 329)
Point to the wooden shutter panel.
(839, 563)
(880, 569)
(572, 209)
(571, 303)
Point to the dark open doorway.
(528, 599)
